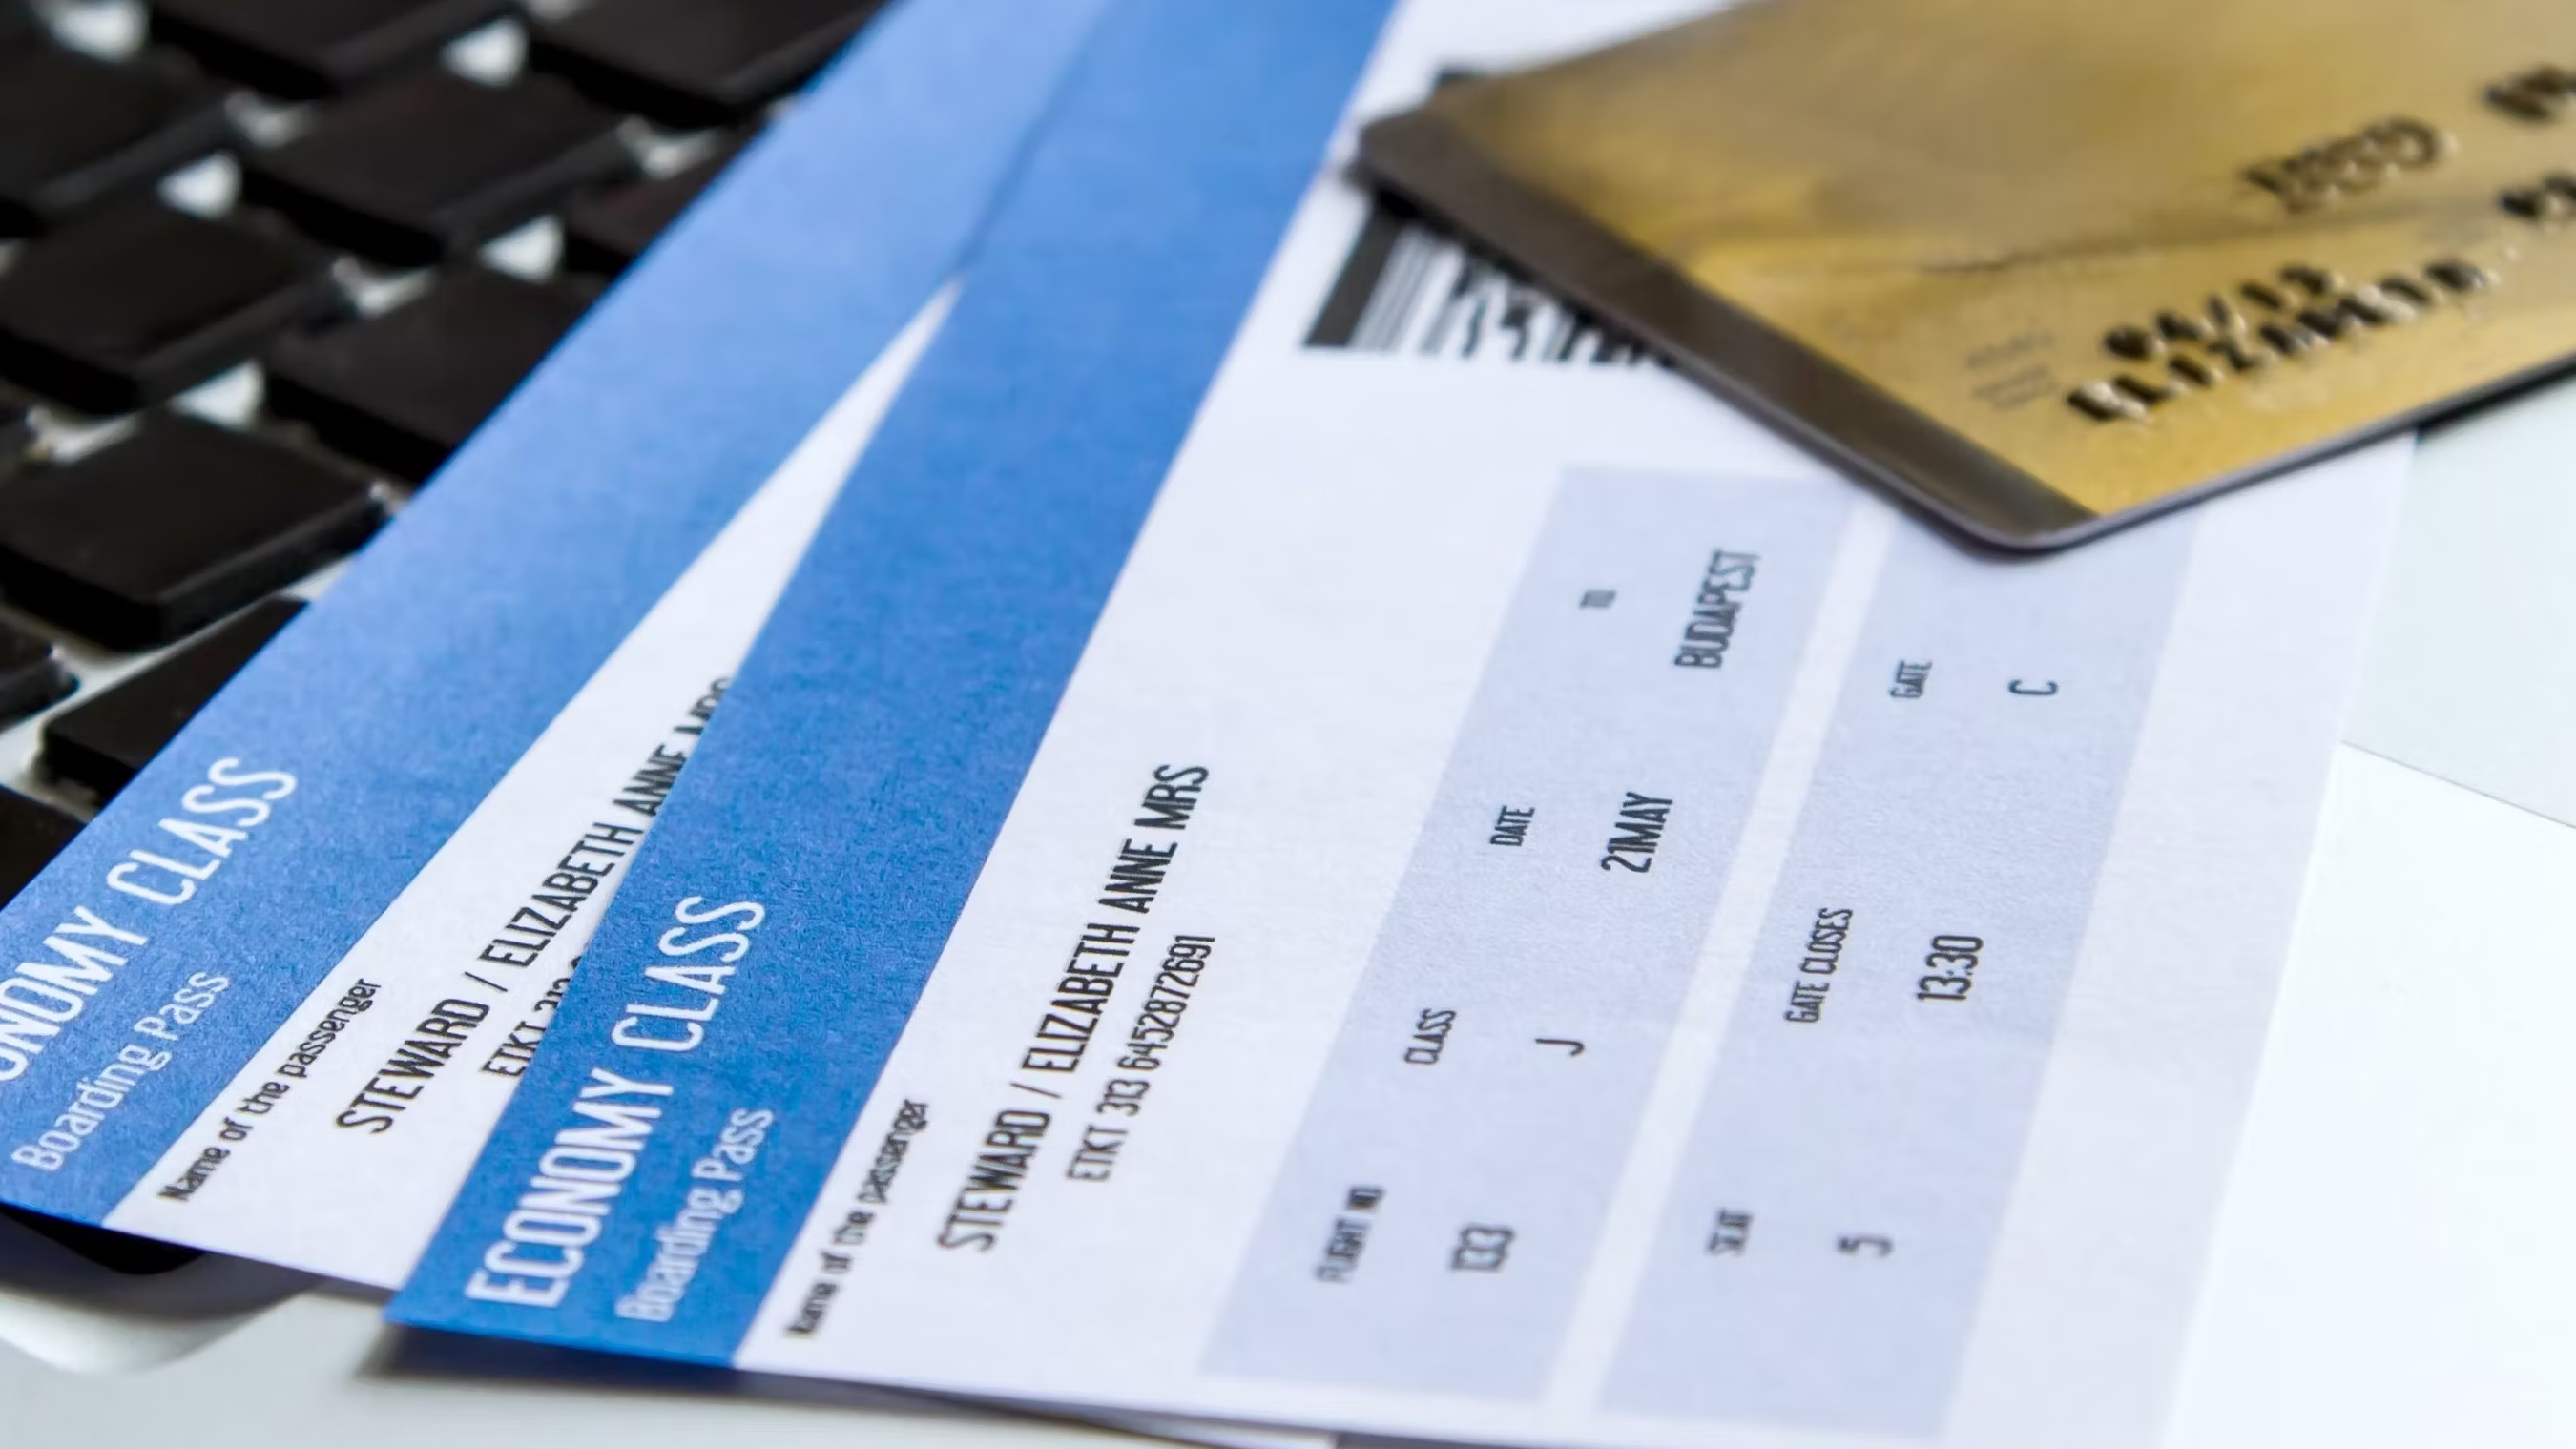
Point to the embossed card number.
(2320, 174)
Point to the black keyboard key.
(30, 677)
(74, 130)
(17, 24)
(166, 531)
(140, 302)
(307, 49)
(104, 744)
(32, 833)
(697, 62)
(605, 232)
(430, 166)
(15, 435)
(404, 390)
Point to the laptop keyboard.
(264, 265)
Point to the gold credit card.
(2048, 265)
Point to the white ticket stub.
(1510, 908)
(1683, 1055)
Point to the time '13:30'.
(1951, 968)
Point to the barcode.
(1411, 287)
